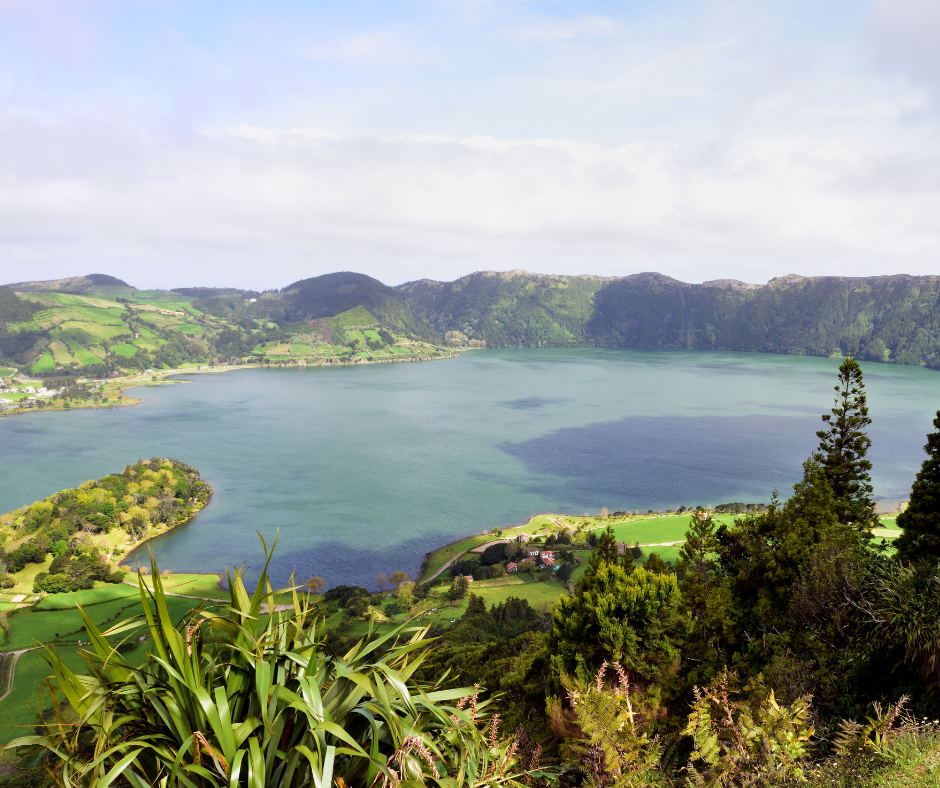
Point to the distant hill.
(884, 318)
(893, 319)
(332, 294)
(510, 309)
(72, 284)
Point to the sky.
(182, 143)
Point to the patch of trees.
(14, 309)
(739, 508)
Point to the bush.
(57, 583)
(342, 594)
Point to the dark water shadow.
(662, 462)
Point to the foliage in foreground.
(253, 699)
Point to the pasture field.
(96, 331)
(536, 593)
(6, 371)
(25, 577)
(668, 554)
(372, 335)
(302, 349)
(84, 355)
(190, 329)
(205, 586)
(45, 363)
(103, 592)
(65, 625)
(654, 529)
(60, 353)
(17, 710)
(124, 349)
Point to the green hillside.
(508, 309)
(332, 294)
(894, 319)
(96, 326)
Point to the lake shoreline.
(146, 379)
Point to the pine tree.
(920, 541)
(606, 551)
(842, 449)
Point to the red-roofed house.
(512, 566)
(549, 562)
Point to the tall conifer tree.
(843, 445)
(920, 541)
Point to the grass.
(205, 586)
(670, 528)
(6, 372)
(46, 363)
(106, 592)
(84, 355)
(537, 594)
(125, 350)
(908, 761)
(60, 353)
(668, 554)
(24, 578)
(18, 707)
(65, 625)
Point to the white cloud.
(906, 33)
(382, 47)
(260, 207)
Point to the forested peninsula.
(74, 538)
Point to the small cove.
(365, 469)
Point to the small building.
(547, 555)
(548, 561)
(533, 553)
(469, 578)
(622, 548)
(512, 566)
(522, 538)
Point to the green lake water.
(364, 469)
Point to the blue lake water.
(364, 469)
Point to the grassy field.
(205, 586)
(105, 592)
(538, 594)
(45, 363)
(655, 529)
(25, 577)
(60, 353)
(65, 625)
(17, 713)
(124, 349)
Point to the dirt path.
(442, 568)
(13, 656)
